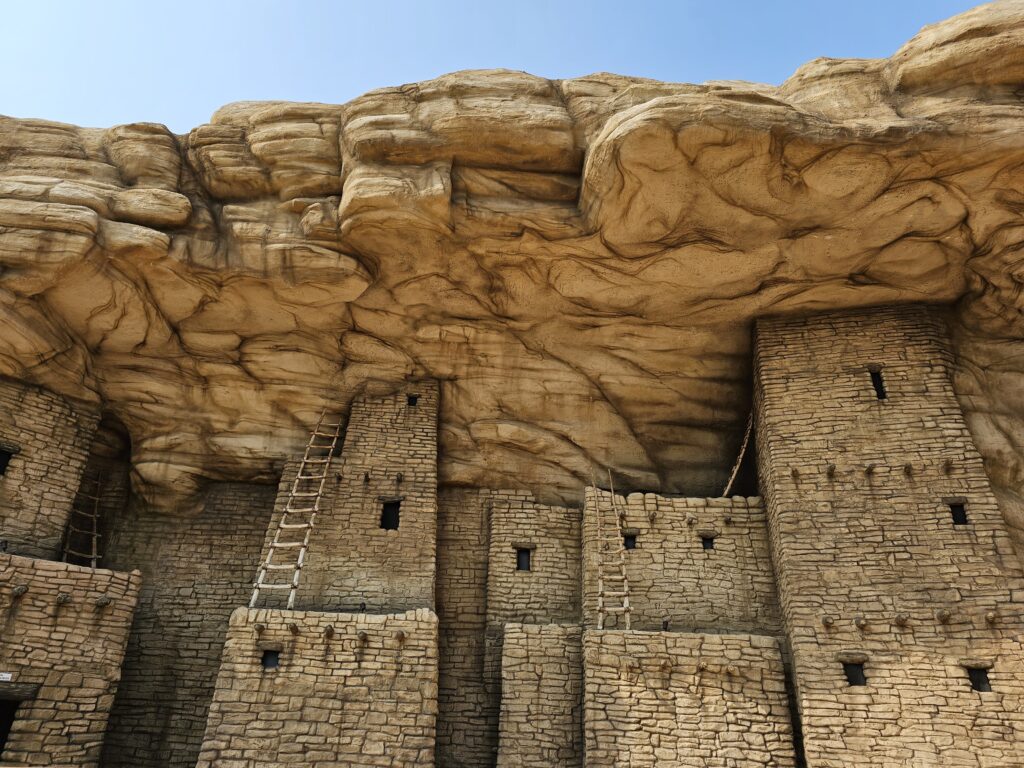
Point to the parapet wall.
(673, 576)
(49, 438)
(62, 642)
(348, 690)
(660, 698)
(890, 550)
(541, 697)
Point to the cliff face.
(578, 261)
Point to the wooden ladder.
(291, 536)
(612, 587)
(84, 523)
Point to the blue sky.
(106, 62)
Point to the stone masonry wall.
(389, 454)
(550, 591)
(350, 690)
(672, 576)
(468, 701)
(541, 697)
(50, 439)
(196, 572)
(872, 567)
(62, 640)
(702, 701)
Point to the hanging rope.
(743, 452)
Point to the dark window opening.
(878, 383)
(523, 558)
(979, 679)
(854, 672)
(708, 542)
(959, 511)
(271, 659)
(8, 712)
(629, 541)
(5, 459)
(412, 400)
(389, 515)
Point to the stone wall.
(196, 571)
(672, 576)
(541, 697)
(49, 438)
(389, 454)
(468, 700)
(873, 567)
(62, 641)
(350, 690)
(550, 591)
(706, 701)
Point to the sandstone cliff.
(578, 261)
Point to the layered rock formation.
(578, 261)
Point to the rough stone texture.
(541, 696)
(389, 453)
(871, 567)
(550, 591)
(468, 701)
(50, 439)
(702, 701)
(196, 571)
(578, 260)
(672, 577)
(351, 690)
(64, 638)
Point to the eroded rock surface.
(578, 261)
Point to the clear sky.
(106, 62)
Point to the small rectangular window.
(524, 558)
(878, 383)
(958, 510)
(979, 679)
(854, 672)
(390, 513)
(271, 659)
(5, 459)
(412, 400)
(8, 714)
(629, 541)
(708, 542)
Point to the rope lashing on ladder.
(743, 452)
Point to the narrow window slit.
(708, 542)
(854, 671)
(271, 659)
(629, 541)
(412, 400)
(390, 512)
(5, 459)
(958, 510)
(524, 557)
(979, 679)
(878, 382)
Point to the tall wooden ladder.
(82, 537)
(612, 580)
(282, 568)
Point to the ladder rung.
(290, 526)
(614, 594)
(292, 510)
(90, 555)
(82, 530)
(304, 494)
(289, 567)
(317, 461)
(286, 544)
(311, 477)
(271, 586)
(617, 610)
